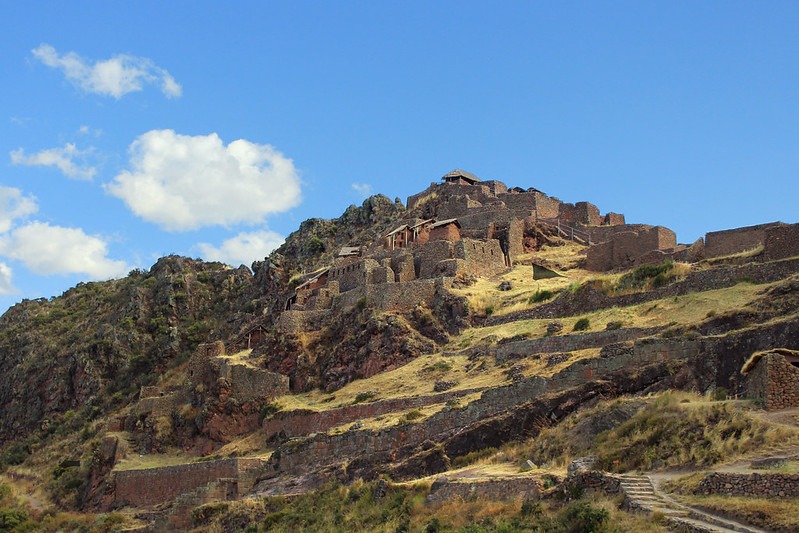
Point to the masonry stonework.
(774, 381)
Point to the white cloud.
(364, 190)
(46, 250)
(244, 248)
(68, 159)
(117, 76)
(5, 280)
(184, 182)
(13, 206)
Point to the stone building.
(773, 378)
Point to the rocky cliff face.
(99, 342)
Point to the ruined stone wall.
(613, 219)
(200, 368)
(290, 321)
(402, 265)
(521, 488)
(733, 241)
(782, 242)
(750, 485)
(624, 248)
(428, 257)
(775, 382)
(457, 206)
(496, 187)
(352, 275)
(419, 197)
(519, 201)
(580, 213)
(599, 234)
(589, 298)
(392, 296)
(323, 449)
(152, 486)
(484, 258)
(159, 406)
(250, 383)
(297, 423)
(546, 207)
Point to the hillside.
(405, 358)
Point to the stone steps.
(641, 495)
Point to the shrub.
(364, 396)
(614, 324)
(540, 296)
(660, 275)
(582, 516)
(582, 325)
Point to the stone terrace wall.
(250, 383)
(141, 488)
(590, 299)
(484, 258)
(732, 241)
(521, 488)
(561, 343)
(623, 249)
(289, 321)
(774, 381)
(389, 296)
(782, 242)
(321, 449)
(750, 485)
(297, 423)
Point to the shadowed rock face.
(76, 351)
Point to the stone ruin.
(772, 377)
(469, 226)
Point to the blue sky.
(212, 129)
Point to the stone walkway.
(642, 494)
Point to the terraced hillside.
(446, 402)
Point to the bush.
(614, 324)
(660, 275)
(540, 296)
(584, 517)
(364, 396)
(582, 325)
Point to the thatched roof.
(442, 223)
(458, 173)
(751, 363)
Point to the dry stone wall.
(143, 488)
(732, 241)
(750, 485)
(782, 242)
(297, 423)
(522, 488)
(775, 382)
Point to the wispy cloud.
(364, 190)
(183, 182)
(6, 287)
(47, 250)
(244, 248)
(68, 159)
(13, 206)
(117, 76)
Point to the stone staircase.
(641, 495)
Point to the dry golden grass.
(773, 514)
(682, 310)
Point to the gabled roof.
(348, 251)
(404, 226)
(458, 173)
(315, 276)
(422, 223)
(447, 222)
